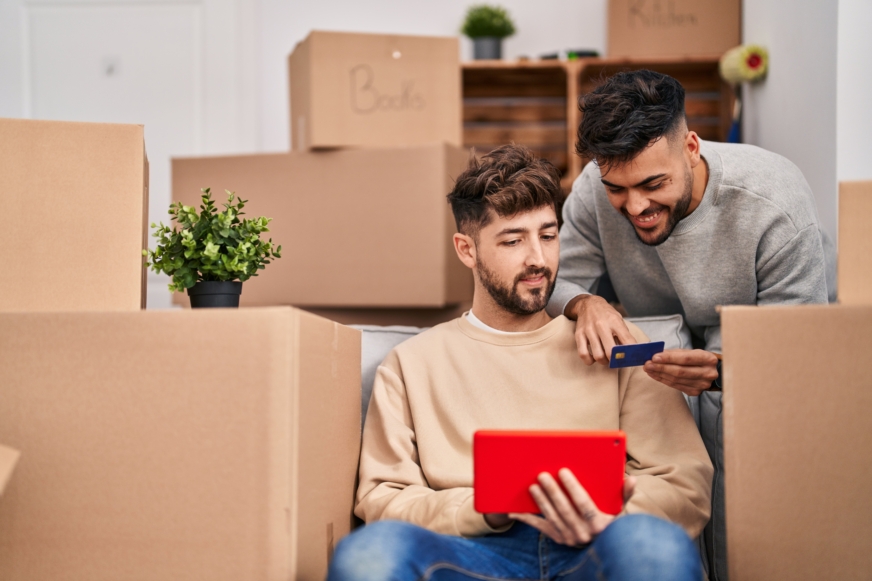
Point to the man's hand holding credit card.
(634, 355)
(669, 367)
(600, 328)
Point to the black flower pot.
(210, 294)
(487, 48)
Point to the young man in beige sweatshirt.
(507, 364)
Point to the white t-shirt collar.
(481, 325)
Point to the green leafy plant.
(486, 20)
(211, 245)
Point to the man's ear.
(465, 247)
(691, 148)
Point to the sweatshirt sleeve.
(792, 271)
(392, 483)
(664, 452)
(581, 255)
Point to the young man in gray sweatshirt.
(681, 225)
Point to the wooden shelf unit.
(535, 103)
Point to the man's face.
(654, 190)
(517, 258)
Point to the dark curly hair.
(508, 180)
(626, 113)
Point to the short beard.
(509, 298)
(676, 213)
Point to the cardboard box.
(797, 438)
(358, 228)
(75, 212)
(351, 89)
(855, 244)
(673, 28)
(8, 459)
(212, 444)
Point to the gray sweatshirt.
(754, 239)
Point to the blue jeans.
(632, 547)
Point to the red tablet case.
(506, 463)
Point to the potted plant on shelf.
(487, 26)
(212, 253)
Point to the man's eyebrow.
(522, 230)
(519, 230)
(646, 181)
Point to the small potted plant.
(487, 26)
(212, 253)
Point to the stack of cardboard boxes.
(359, 206)
(797, 435)
(218, 444)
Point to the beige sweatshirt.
(435, 390)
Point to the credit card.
(633, 355)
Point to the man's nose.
(536, 255)
(636, 203)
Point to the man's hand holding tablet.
(571, 520)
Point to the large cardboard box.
(797, 439)
(358, 228)
(75, 212)
(855, 243)
(673, 28)
(212, 444)
(352, 89)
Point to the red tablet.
(506, 463)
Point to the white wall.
(854, 115)
(543, 26)
(793, 112)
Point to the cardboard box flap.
(331, 380)
(8, 459)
